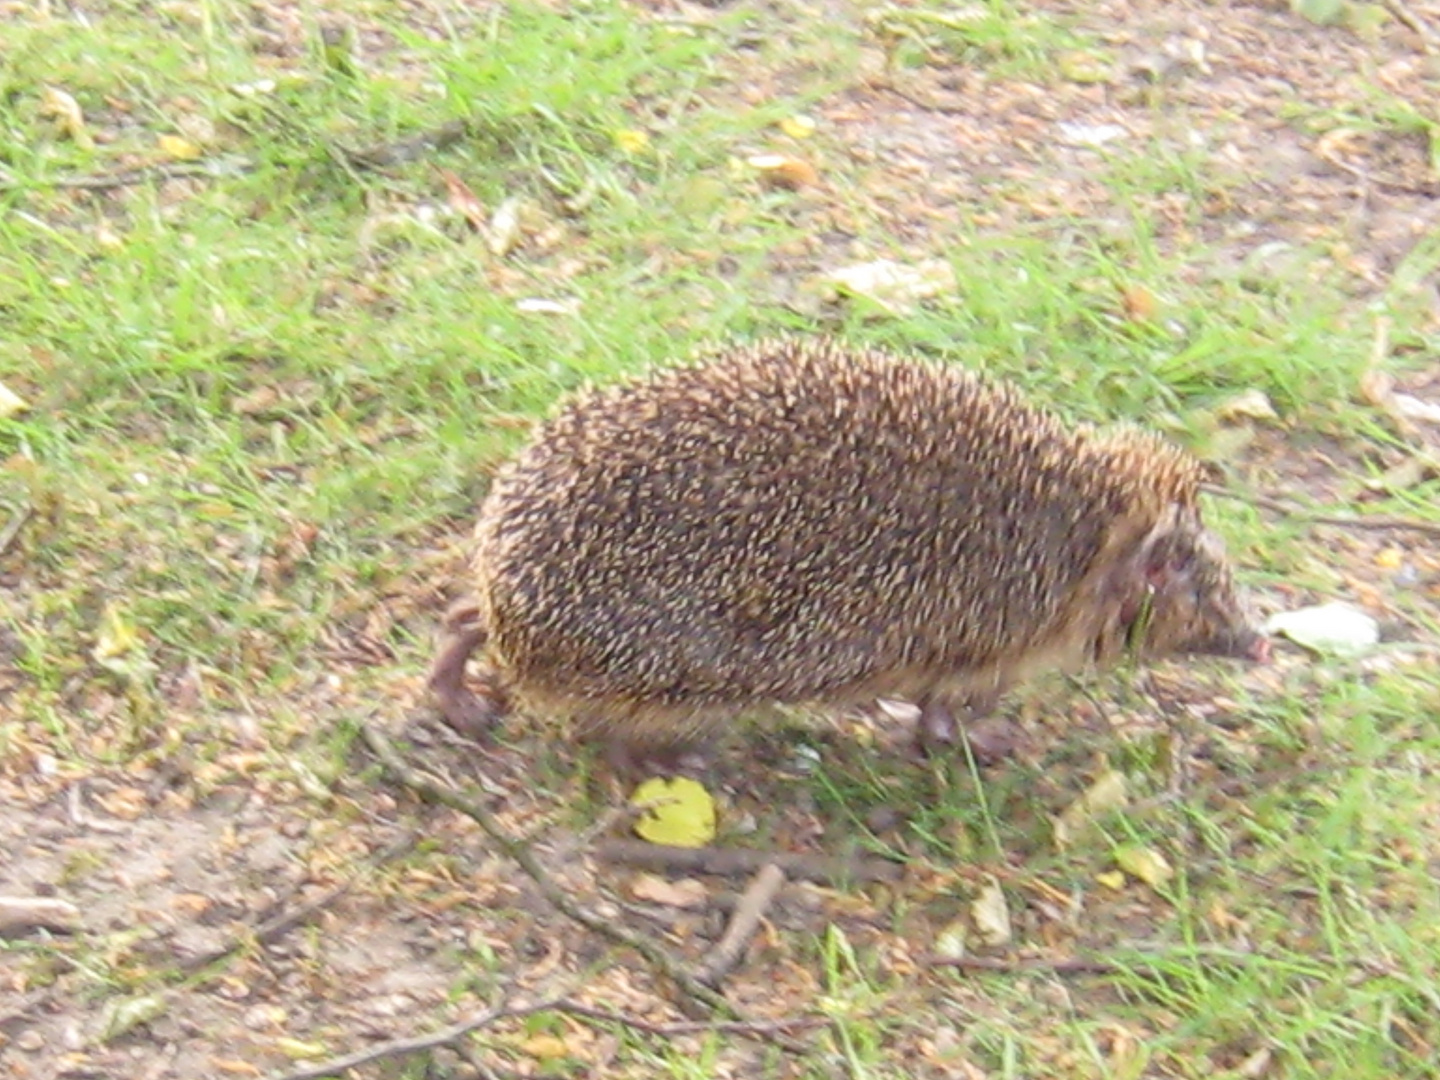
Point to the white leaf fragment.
(1090, 134)
(1333, 629)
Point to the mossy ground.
(268, 371)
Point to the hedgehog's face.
(1181, 597)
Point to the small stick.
(653, 954)
(1404, 15)
(19, 914)
(1089, 965)
(737, 862)
(416, 1044)
(378, 156)
(13, 527)
(743, 923)
(764, 1029)
(690, 1027)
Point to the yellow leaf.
(117, 637)
(297, 1048)
(680, 812)
(1145, 863)
(798, 126)
(1111, 879)
(631, 141)
(1391, 558)
(11, 403)
(545, 1047)
(181, 149)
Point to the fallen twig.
(1093, 965)
(19, 914)
(1368, 521)
(1403, 14)
(765, 1029)
(743, 923)
(170, 170)
(737, 862)
(653, 954)
(14, 525)
(379, 156)
(415, 1044)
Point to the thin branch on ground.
(743, 923)
(925, 106)
(278, 926)
(378, 156)
(739, 862)
(1378, 179)
(418, 1043)
(1381, 522)
(1094, 965)
(170, 170)
(1429, 40)
(653, 954)
(759, 1028)
(763, 1029)
(14, 525)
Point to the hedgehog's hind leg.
(468, 713)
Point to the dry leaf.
(11, 403)
(1333, 629)
(535, 305)
(1146, 864)
(503, 232)
(298, 1049)
(179, 148)
(893, 286)
(116, 637)
(991, 914)
(685, 893)
(1253, 404)
(782, 171)
(56, 103)
(1107, 793)
(631, 141)
(798, 126)
(1139, 303)
(545, 1047)
(463, 200)
(1391, 558)
(126, 1014)
(950, 942)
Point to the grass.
(264, 403)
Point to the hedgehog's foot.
(945, 721)
(468, 713)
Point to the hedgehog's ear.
(1166, 553)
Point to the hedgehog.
(800, 522)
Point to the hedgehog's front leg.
(468, 713)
